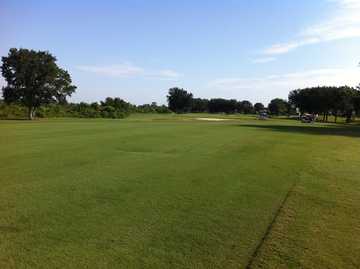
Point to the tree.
(200, 105)
(179, 100)
(307, 100)
(118, 104)
(34, 79)
(258, 107)
(220, 105)
(348, 101)
(278, 106)
(357, 101)
(245, 107)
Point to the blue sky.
(137, 50)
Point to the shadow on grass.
(339, 130)
(14, 119)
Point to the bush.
(12, 111)
(112, 108)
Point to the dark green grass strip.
(269, 228)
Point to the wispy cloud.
(165, 74)
(286, 47)
(345, 23)
(128, 70)
(316, 77)
(267, 87)
(119, 70)
(263, 60)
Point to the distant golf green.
(167, 191)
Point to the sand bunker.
(211, 119)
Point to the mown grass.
(168, 191)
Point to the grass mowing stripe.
(269, 228)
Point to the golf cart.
(308, 118)
(263, 115)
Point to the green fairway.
(168, 191)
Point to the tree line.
(337, 101)
(182, 101)
(36, 85)
(113, 108)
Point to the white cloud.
(264, 60)
(127, 70)
(333, 77)
(268, 87)
(165, 74)
(120, 70)
(286, 47)
(345, 23)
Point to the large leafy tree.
(34, 79)
(179, 100)
(245, 107)
(278, 106)
(258, 107)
